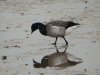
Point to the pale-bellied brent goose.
(55, 28)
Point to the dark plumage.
(55, 28)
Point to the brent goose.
(55, 28)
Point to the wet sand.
(18, 47)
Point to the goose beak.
(32, 31)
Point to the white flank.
(70, 29)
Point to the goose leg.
(65, 49)
(56, 49)
(55, 41)
(65, 40)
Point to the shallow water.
(20, 47)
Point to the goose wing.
(58, 23)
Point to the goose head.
(35, 26)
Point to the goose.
(56, 28)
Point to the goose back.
(58, 23)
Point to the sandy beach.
(18, 47)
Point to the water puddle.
(58, 60)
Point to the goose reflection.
(57, 59)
